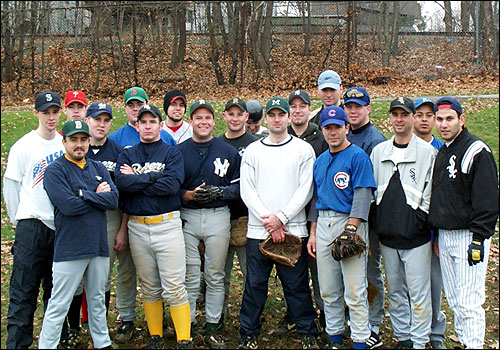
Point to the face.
(202, 121)
(449, 124)
(77, 146)
(329, 96)
(49, 118)
(357, 115)
(253, 127)
(299, 111)
(176, 110)
(99, 126)
(132, 109)
(149, 127)
(235, 118)
(402, 121)
(75, 110)
(335, 135)
(277, 121)
(424, 120)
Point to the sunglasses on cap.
(354, 93)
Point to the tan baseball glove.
(286, 253)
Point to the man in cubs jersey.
(343, 178)
(464, 207)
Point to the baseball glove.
(348, 244)
(207, 194)
(239, 232)
(286, 253)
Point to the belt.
(150, 220)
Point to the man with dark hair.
(174, 105)
(329, 91)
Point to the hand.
(103, 187)
(475, 253)
(435, 246)
(189, 195)
(311, 245)
(274, 227)
(121, 240)
(126, 169)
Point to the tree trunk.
(214, 52)
(380, 24)
(483, 38)
(266, 40)
(182, 33)
(465, 12)
(234, 39)
(448, 19)
(22, 29)
(387, 42)
(349, 22)
(306, 27)
(33, 18)
(395, 29)
(218, 19)
(175, 38)
(135, 50)
(8, 61)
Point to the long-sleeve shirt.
(127, 136)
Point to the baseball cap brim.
(47, 105)
(355, 100)
(333, 121)
(98, 113)
(235, 104)
(74, 100)
(329, 85)
(76, 132)
(177, 97)
(417, 105)
(135, 97)
(402, 107)
(203, 106)
(277, 107)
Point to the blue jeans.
(33, 252)
(295, 282)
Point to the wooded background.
(104, 47)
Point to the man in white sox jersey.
(464, 207)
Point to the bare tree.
(448, 18)
(386, 55)
(214, 51)
(465, 12)
(305, 7)
(8, 44)
(395, 29)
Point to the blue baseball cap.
(333, 115)
(424, 101)
(357, 95)
(97, 108)
(329, 79)
(448, 102)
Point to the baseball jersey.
(158, 173)
(338, 175)
(28, 159)
(215, 163)
(181, 134)
(81, 230)
(107, 154)
(465, 187)
(366, 137)
(436, 143)
(127, 136)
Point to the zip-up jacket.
(465, 187)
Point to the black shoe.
(156, 342)
(309, 341)
(185, 344)
(212, 338)
(405, 344)
(286, 325)
(249, 342)
(124, 331)
(374, 341)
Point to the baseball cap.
(75, 126)
(151, 109)
(423, 101)
(254, 109)
(448, 102)
(329, 79)
(278, 102)
(405, 103)
(136, 93)
(171, 96)
(333, 115)
(200, 104)
(45, 99)
(357, 95)
(300, 93)
(236, 101)
(97, 108)
(75, 96)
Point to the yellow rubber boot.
(154, 317)
(181, 316)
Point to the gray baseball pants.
(66, 278)
(212, 225)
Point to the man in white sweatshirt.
(276, 184)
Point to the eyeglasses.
(354, 93)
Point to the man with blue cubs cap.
(343, 186)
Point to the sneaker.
(286, 325)
(374, 341)
(405, 344)
(185, 344)
(249, 342)
(437, 344)
(124, 331)
(72, 340)
(309, 341)
(156, 342)
(213, 339)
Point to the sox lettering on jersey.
(451, 168)
(221, 168)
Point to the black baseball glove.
(348, 244)
(207, 194)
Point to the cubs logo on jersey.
(341, 180)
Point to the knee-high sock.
(85, 314)
(154, 317)
(181, 316)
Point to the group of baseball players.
(154, 191)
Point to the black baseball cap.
(236, 101)
(405, 103)
(45, 99)
(448, 102)
(300, 93)
(151, 109)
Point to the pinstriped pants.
(464, 285)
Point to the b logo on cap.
(48, 97)
(276, 102)
(133, 92)
(331, 113)
(102, 106)
(78, 124)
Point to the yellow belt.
(149, 220)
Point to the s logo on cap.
(48, 97)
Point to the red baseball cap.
(75, 96)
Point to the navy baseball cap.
(75, 126)
(357, 95)
(304, 96)
(97, 108)
(405, 103)
(151, 109)
(45, 99)
(448, 102)
(236, 101)
(329, 79)
(424, 101)
(278, 102)
(333, 115)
